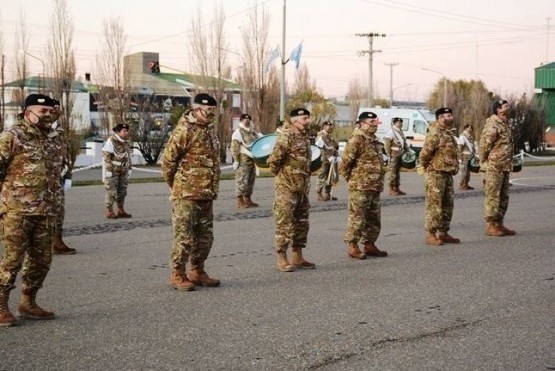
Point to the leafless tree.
(62, 69)
(356, 94)
(260, 87)
(208, 50)
(113, 80)
(21, 46)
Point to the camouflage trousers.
(440, 201)
(60, 216)
(394, 169)
(323, 184)
(27, 241)
(291, 217)
(245, 176)
(364, 223)
(193, 232)
(464, 169)
(496, 202)
(116, 189)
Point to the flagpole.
(282, 82)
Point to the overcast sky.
(499, 42)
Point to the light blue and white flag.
(273, 56)
(296, 55)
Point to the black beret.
(442, 110)
(38, 100)
(397, 119)
(327, 123)
(55, 102)
(367, 115)
(245, 116)
(120, 127)
(205, 100)
(299, 112)
(497, 104)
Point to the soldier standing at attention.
(466, 151)
(62, 146)
(117, 169)
(395, 144)
(30, 171)
(290, 163)
(496, 157)
(243, 162)
(328, 147)
(439, 162)
(363, 168)
(191, 167)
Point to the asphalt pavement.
(485, 304)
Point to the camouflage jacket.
(439, 152)
(241, 142)
(116, 154)
(362, 163)
(395, 139)
(30, 168)
(290, 162)
(62, 147)
(190, 163)
(329, 147)
(496, 145)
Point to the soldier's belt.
(395, 148)
(117, 163)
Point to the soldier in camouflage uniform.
(30, 171)
(395, 144)
(439, 162)
(243, 163)
(496, 157)
(466, 151)
(363, 168)
(117, 169)
(191, 167)
(290, 163)
(62, 147)
(328, 146)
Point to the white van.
(415, 123)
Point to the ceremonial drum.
(262, 148)
(316, 158)
(408, 159)
(517, 164)
(474, 164)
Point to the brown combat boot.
(283, 264)
(59, 247)
(507, 231)
(493, 229)
(110, 213)
(399, 192)
(122, 213)
(249, 202)
(199, 277)
(370, 249)
(354, 252)
(431, 239)
(394, 192)
(241, 203)
(7, 319)
(180, 281)
(320, 196)
(297, 260)
(446, 238)
(327, 197)
(29, 309)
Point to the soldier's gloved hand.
(420, 170)
(235, 165)
(460, 161)
(129, 172)
(107, 175)
(331, 159)
(67, 184)
(339, 160)
(385, 158)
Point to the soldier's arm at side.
(235, 150)
(6, 147)
(349, 158)
(428, 149)
(488, 137)
(387, 145)
(275, 161)
(173, 153)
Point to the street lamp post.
(444, 84)
(43, 68)
(398, 87)
(391, 65)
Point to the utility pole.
(391, 65)
(547, 42)
(370, 53)
(2, 92)
(282, 77)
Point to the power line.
(370, 53)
